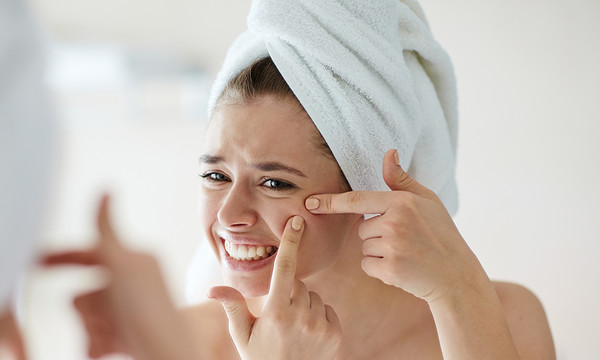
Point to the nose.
(237, 212)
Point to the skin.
(407, 276)
(295, 323)
(10, 335)
(116, 317)
(403, 285)
(254, 203)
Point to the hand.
(133, 314)
(295, 324)
(10, 335)
(414, 243)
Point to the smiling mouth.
(248, 252)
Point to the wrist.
(471, 285)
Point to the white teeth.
(248, 252)
(242, 251)
(260, 251)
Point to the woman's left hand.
(414, 243)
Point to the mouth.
(248, 252)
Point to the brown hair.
(263, 78)
(260, 78)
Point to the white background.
(528, 163)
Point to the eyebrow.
(264, 166)
(277, 166)
(210, 159)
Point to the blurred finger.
(284, 270)
(101, 340)
(71, 258)
(104, 224)
(91, 302)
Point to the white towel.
(371, 77)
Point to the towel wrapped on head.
(371, 77)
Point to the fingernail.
(312, 203)
(397, 157)
(297, 222)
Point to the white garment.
(27, 131)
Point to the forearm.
(471, 324)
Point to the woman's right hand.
(295, 324)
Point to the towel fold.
(371, 77)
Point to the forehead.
(263, 128)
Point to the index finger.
(88, 258)
(284, 270)
(108, 238)
(351, 202)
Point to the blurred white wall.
(529, 151)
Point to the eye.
(277, 185)
(213, 176)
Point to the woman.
(312, 274)
(403, 284)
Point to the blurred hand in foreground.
(133, 314)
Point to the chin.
(249, 286)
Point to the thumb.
(397, 179)
(240, 318)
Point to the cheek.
(277, 213)
(322, 237)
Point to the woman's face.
(260, 162)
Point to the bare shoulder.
(527, 321)
(209, 326)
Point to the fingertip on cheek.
(311, 203)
